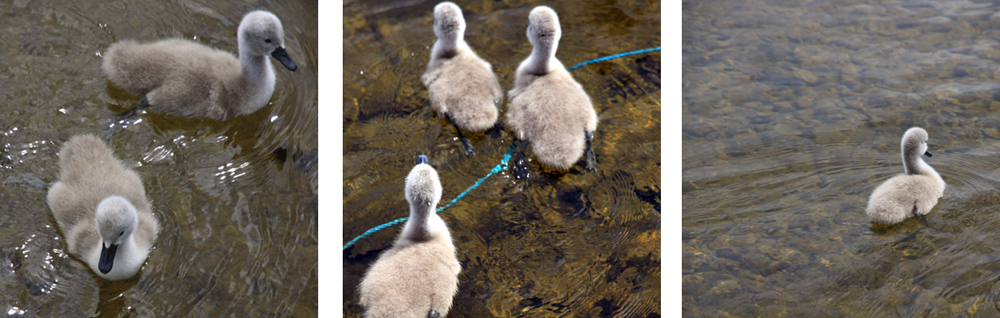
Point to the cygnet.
(547, 108)
(418, 276)
(185, 78)
(461, 85)
(913, 193)
(101, 207)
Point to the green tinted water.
(576, 244)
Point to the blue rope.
(613, 57)
(501, 166)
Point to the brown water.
(236, 200)
(793, 113)
(568, 245)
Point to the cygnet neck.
(258, 78)
(418, 227)
(542, 59)
(913, 164)
(447, 47)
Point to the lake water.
(793, 113)
(236, 200)
(551, 245)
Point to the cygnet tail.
(559, 150)
(476, 117)
(134, 67)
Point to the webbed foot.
(469, 150)
(496, 130)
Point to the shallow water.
(552, 245)
(793, 113)
(236, 200)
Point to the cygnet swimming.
(461, 86)
(185, 78)
(913, 193)
(418, 276)
(101, 207)
(547, 108)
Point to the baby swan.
(911, 194)
(418, 276)
(184, 78)
(547, 107)
(461, 86)
(101, 208)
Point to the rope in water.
(613, 57)
(501, 166)
(503, 163)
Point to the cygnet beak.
(107, 258)
(282, 56)
(928, 153)
(422, 159)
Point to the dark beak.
(107, 258)
(422, 159)
(282, 56)
(928, 153)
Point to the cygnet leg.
(122, 120)
(469, 151)
(591, 158)
(132, 114)
(517, 165)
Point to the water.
(793, 113)
(236, 200)
(553, 245)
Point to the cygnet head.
(913, 145)
(543, 33)
(260, 34)
(423, 188)
(116, 219)
(449, 24)
(543, 29)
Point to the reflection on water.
(236, 200)
(576, 244)
(793, 114)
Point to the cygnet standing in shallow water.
(547, 107)
(461, 86)
(418, 276)
(911, 194)
(184, 78)
(102, 210)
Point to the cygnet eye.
(267, 40)
(122, 233)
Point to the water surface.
(236, 200)
(552, 245)
(793, 113)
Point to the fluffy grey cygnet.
(185, 78)
(101, 207)
(547, 108)
(913, 193)
(418, 276)
(461, 85)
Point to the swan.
(547, 108)
(461, 86)
(913, 193)
(102, 210)
(418, 276)
(184, 78)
